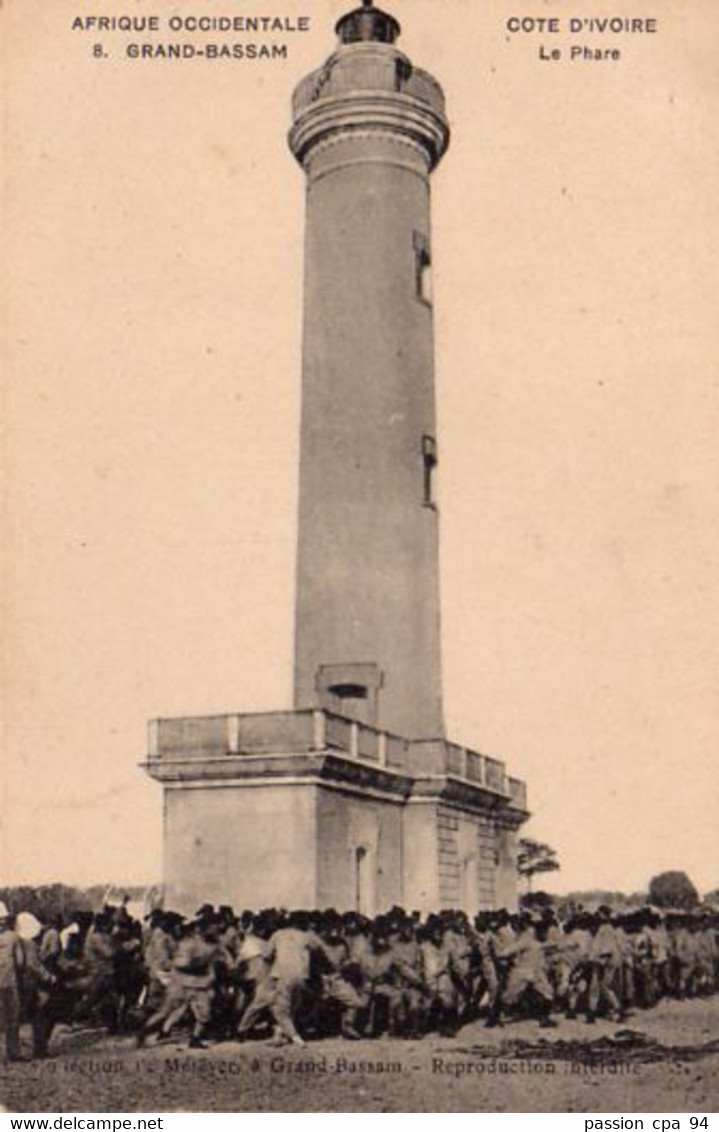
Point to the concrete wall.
(346, 824)
(468, 849)
(250, 847)
(296, 846)
(420, 877)
(506, 876)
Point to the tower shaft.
(368, 129)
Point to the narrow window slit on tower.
(349, 691)
(429, 463)
(422, 268)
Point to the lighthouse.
(354, 797)
(368, 129)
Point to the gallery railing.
(315, 730)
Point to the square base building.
(309, 809)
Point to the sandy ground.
(663, 1060)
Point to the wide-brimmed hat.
(27, 926)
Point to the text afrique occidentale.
(192, 23)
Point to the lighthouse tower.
(368, 130)
(355, 798)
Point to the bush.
(673, 890)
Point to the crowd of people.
(305, 974)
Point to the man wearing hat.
(99, 955)
(606, 960)
(160, 945)
(341, 985)
(528, 973)
(35, 983)
(486, 986)
(291, 952)
(253, 963)
(192, 983)
(390, 976)
(11, 959)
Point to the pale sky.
(154, 241)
